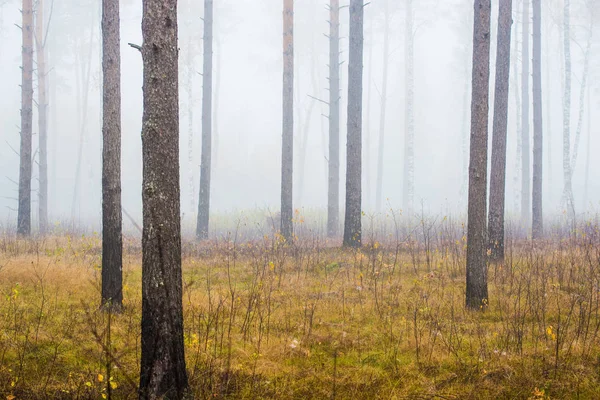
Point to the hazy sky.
(247, 120)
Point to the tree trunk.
(498, 171)
(24, 210)
(163, 373)
(525, 161)
(409, 141)
(112, 239)
(568, 188)
(367, 124)
(477, 292)
(287, 143)
(587, 150)
(515, 84)
(189, 88)
(538, 137)
(352, 222)
(333, 192)
(382, 109)
(204, 198)
(42, 118)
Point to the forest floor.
(311, 321)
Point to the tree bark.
(352, 222)
(24, 207)
(112, 239)
(382, 109)
(205, 162)
(163, 373)
(287, 142)
(477, 291)
(409, 141)
(518, 120)
(568, 188)
(42, 119)
(500, 127)
(333, 195)
(537, 222)
(525, 160)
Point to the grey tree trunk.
(205, 161)
(189, 88)
(287, 142)
(367, 124)
(24, 207)
(537, 226)
(500, 127)
(568, 188)
(382, 109)
(477, 290)
(112, 239)
(352, 222)
(587, 150)
(409, 141)
(162, 372)
(333, 191)
(42, 118)
(517, 96)
(525, 160)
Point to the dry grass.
(263, 320)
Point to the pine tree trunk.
(189, 88)
(112, 239)
(163, 373)
(42, 119)
(477, 292)
(538, 137)
(568, 188)
(352, 222)
(287, 143)
(24, 209)
(382, 109)
(333, 195)
(516, 87)
(409, 142)
(525, 160)
(500, 127)
(367, 124)
(205, 162)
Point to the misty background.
(247, 106)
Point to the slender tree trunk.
(215, 122)
(587, 150)
(42, 118)
(163, 373)
(352, 222)
(568, 188)
(477, 291)
(367, 124)
(500, 127)
(112, 239)
(548, 108)
(304, 128)
(189, 88)
(515, 84)
(287, 147)
(525, 160)
(409, 141)
(333, 195)
(382, 109)
(538, 137)
(205, 163)
(24, 210)
(465, 138)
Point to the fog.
(247, 106)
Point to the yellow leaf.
(100, 377)
(103, 395)
(113, 385)
(10, 397)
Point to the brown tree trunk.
(333, 195)
(205, 163)
(42, 118)
(537, 226)
(525, 167)
(162, 373)
(498, 171)
(287, 142)
(112, 239)
(24, 210)
(352, 222)
(477, 291)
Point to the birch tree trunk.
(42, 118)
(287, 143)
(24, 207)
(538, 138)
(409, 139)
(112, 240)
(477, 291)
(205, 161)
(163, 373)
(525, 121)
(352, 222)
(333, 195)
(500, 127)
